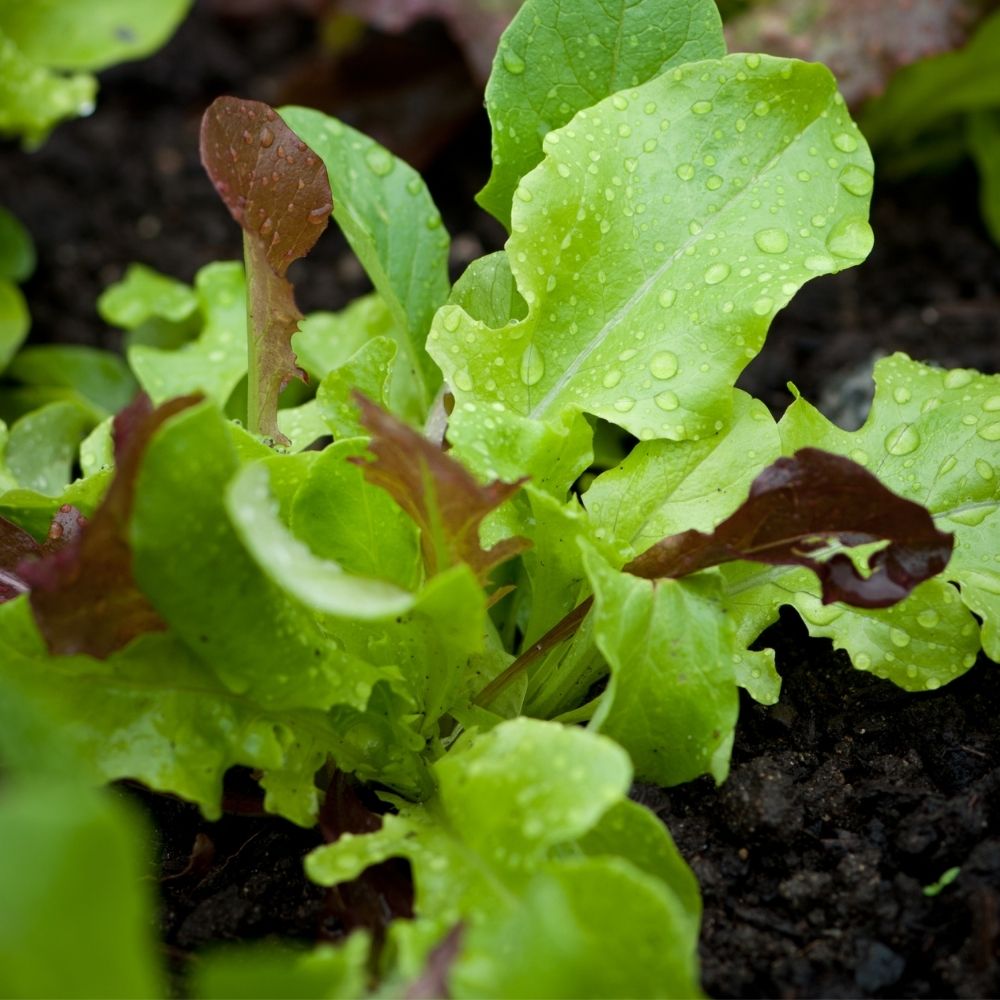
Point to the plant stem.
(559, 632)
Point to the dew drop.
(714, 182)
(532, 365)
(932, 684)
(752, 61)
(685, 171)
(819, 263)
(992, 405)
(667, 297)
(899, 638)
(851, 238)
(717, 273)
(761, 108)
(512, 62)
(957, 378)
(901, 394)
(611, 378)
(624, 404)
(928, 618)
(856, 180)
(563, 170)
(267, 227)
(667, 401)
(991, 432)
(463, 381)
(984, 469)
(902, 440)
(663, 365)
(763, 306)
(701, 107)
(451, 321)
(859, 456)
(863, 661)
(771, 240)
(947, 465)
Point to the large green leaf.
(671, 699)
(654, 243)
(74, 34)
(158, 714)
(77, 916)
(259, 640)
(385, 211)
(499, 848)
(555, 59)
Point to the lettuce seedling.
(438, 598)
(277, 190)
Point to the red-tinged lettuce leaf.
(82, 591)
(438, 493)
(863, 41)
(18, 547)
(796, 509)
(277, 189)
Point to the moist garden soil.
(845, 801)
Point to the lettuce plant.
(534, 559)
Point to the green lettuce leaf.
(641, 316)
(42, 446)
(258, 971)
(78, 913)
(86, 375)
(503, 848)
(34, 99)
(671, 699)
(931, 438)
(344, 518)
(665, 487)
(157, 713)
(212, 364)
(601, 49)
(17, 250)
(320, 584)
(70, 35)
(385, 211)
(15, 321)
(259, 640)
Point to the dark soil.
(847, 798)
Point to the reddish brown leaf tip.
(83, 594)
(277, 189)
(438, 493)
(273, 184)
(798, 506)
